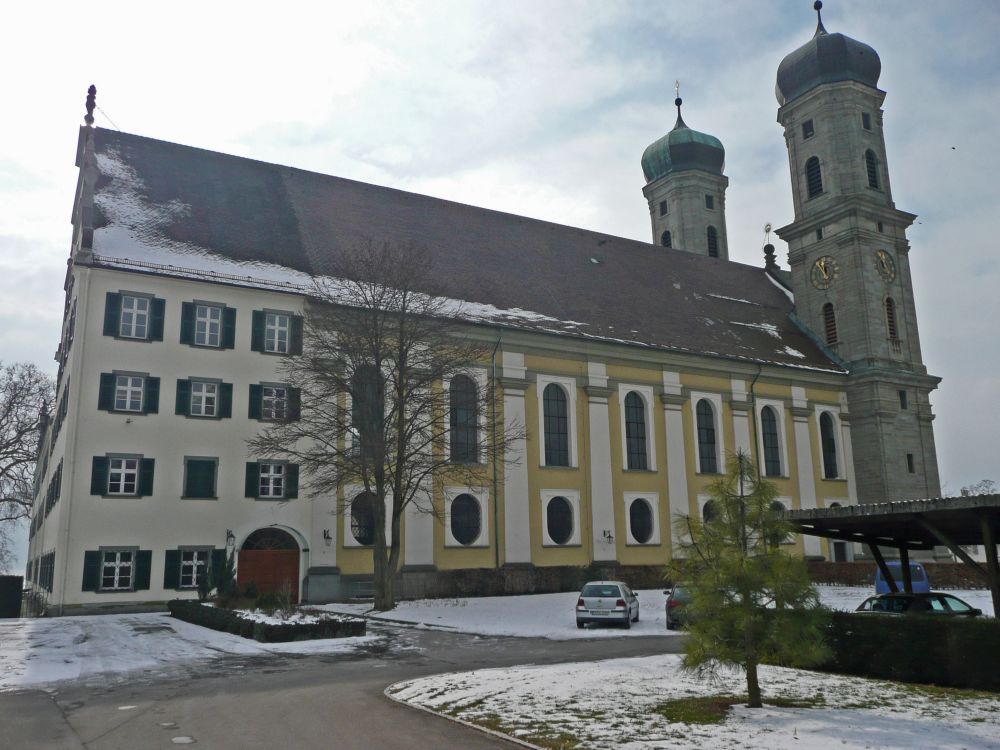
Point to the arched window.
(363, 519)
(778, 508)
(828, 442)
(367, 409)
(466, 519)
(713, 242)
(635, 431)
(707, 459)
(559, 519)
(769, 434)
(640, 520)
(890, 318)
(556, 425)
(871, 166)
(463, 420)
(709, 511)
(830, 323)
(665, 239)
(814, 178)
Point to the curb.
(456, 720)
(407, 623)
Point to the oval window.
(640, 519)
(559, 516)
(466, 519)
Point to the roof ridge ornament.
(677, 103)
(820, 29)
(91, 104)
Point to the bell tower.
(849, 260)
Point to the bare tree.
(25, 393)
(389, 398)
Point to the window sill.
(834, 479)
(644, 544)
(128, 412)
(273, 499)
(125, 497)
(458, 545)
(468, 464)
(114, 591)
(639, 471)
(559, 468)
(568, 545)
(199, 497)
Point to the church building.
(635, 368)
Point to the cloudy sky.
(537, 107)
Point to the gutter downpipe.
(493, 457)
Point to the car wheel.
(628, 622)
(579, 624)
(636, 615)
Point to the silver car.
(607, 602)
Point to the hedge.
(228, 621)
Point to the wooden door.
(270, 570)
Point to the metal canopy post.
(992, 567)
(880, 561)
(904, 562)
(960, 553)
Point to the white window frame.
(196, 565)
(125, 471)
(479, 377)
(715, 399)
(569, 387)
(779, 414)
(653, 498)
(573, 496)
(130, 390)
(702, 501)
(274, 399)
(276, 324)
(645, 392)
(838, 442)
(117, 564)
(351, 491)
(204, 396)
(275, 473)
(128, 330)
(482, 497)
(213, 326)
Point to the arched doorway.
(270, 558)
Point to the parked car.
(918, 576)
(677, 600)
(929, 603)
(607, 602)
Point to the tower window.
(665, 239)
(903, 400)
(830, 323)
(910, 464)
(713, 242)
(807, 129)
(819, 234)
(866, 121)
(814, 178)
(663, 208)
(879, 226)
(871, 165)
(890, 319)
(709, 202)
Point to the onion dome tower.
(686, 190)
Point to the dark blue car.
(917, 575)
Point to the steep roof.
(200, 213)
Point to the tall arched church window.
(635, 431)
(707, 458)
(830, 323)
(871, 166)
(556, 426)
(828, 443)
(772, 450)
(665, 239)
(890, 319)
(463, 420)
(814, 177)
(713, 242)
(367, 409)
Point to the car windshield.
(605, 590)
(681, 593)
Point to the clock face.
(824, 272)
(885, 265)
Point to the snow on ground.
(612, 704)
(45, 650)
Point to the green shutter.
(291, 481)
(146, 477)
(295, 344)
(157, 313)
(252, 487)
(172, 569)
(225, 409)
(112, 313)
(256, 399)
(257, 331)
(143, 566)
(229, 328)
(294, 404)
(99, 476)
(200, 478)
(91, 570)
(183, 404)
(187, 322)
(151, 395)
(106, 395)
(218, 566)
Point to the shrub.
(228, 621)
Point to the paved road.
(288, 702)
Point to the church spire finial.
(818, 7)
(677, 103)
(91, 103)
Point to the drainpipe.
(493, 457)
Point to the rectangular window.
(879, 227)
(710, 202)
(208, 325)
(866, 121)
(910, 466)
(123, 476)
(194, 567)
(128, 392)
(274, 402)
(204, 398)
(903, 400)
(117, 570)
(276, 328)
(199, 477)
(663, 208)
(272, 480)
(807, 129)
(819, 234)
(134, 317)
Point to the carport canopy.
(954, 522)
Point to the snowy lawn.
(621, 703)
(45, 650)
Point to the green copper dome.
(680, 149)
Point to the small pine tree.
(225, 580)
(751, 602)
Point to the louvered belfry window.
(871, 165)
(713, 242)
(830, 323)
(890, 319)
(814, 177)
(665, 239)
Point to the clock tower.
(849, 260)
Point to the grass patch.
(712, 709)
(936, 692)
